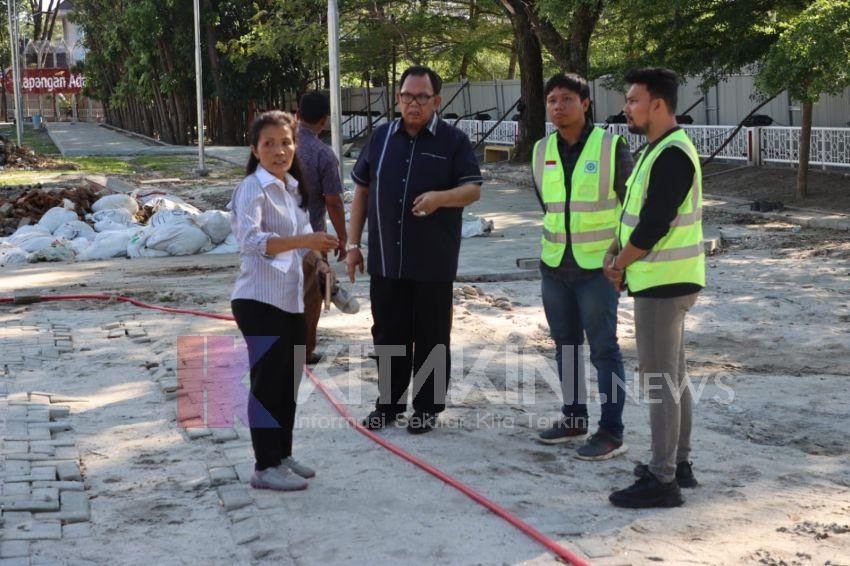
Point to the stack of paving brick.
(42, 495)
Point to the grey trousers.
(659, 332)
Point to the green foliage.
(812, 55)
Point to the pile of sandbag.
(120, 225)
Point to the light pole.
(333, 64)
(16, 67)
(199, 91)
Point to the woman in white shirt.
(272, 227)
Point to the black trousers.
(411, 332)
(273, 337)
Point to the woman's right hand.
(320, 242)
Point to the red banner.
(47, 81)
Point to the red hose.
(530, 531)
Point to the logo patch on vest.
(551, 165)
(591, 166)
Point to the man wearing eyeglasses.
(413, 177)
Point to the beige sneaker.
(278, 479)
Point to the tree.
(811, 57)
(532, 116)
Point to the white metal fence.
(830, 146)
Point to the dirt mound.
(24, 204)
(21, 157)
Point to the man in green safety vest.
(580, 175)
(658, 256)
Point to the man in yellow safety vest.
(579, 173)
(658, 256)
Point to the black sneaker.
(602, 446)
(648, 492)
(378, 419)
(420, 423)
(684, 474)
(313, 359)
(567, 429)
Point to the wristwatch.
(349, 247)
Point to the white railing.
(829, 146)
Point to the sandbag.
(31, 242)
(59, 250)
(80, 244)
(178, 239)
(74, 229)
(109, 216)
(118, 201)
(216, 223)
(10, 254)
(55, 217)
(172, 216)
(170, 202)
(107, 245)
(228, 246)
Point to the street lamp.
(333, 65)
(199, 91)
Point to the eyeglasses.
(420, 98)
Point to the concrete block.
(195, 433)
(14, 549)
(233, 498)
(17, 467)
(113, 325)
(60, 485)
(221, 476)
(35, 530)
(224, 434)
(20, 489)
(20, 561)
(69, 471)
(75, 507)
(32, 505)
(246, 531)
(59, 411)
(66, 453)
(45, 494)
(76, 531)
(43, 473)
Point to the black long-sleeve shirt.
(670, 180)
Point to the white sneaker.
(297, 467)
(278, 479)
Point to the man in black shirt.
(658, 256)
(413, 179)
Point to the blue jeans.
(573, 309)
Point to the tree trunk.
(532, 116)
(570, 53)
(226, 112)
(512, 64)
(805, 150)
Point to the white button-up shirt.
(264, 207)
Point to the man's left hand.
(426, 203)
(340, 251)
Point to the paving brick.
(32, 505)
(246, 531)
(43, 473)
(43, 449)
(54, 426)
(244, 471)
(224, 434)
(14, 549)
(195, 433)
(220, 476)
(69, 471)
(66, 453)
(76, 531)
(39, 399)
(26, 457)
(60, 485)
(21, 561)
(16, 489)
(59, 411)
(45, 494)
(74, 507)
(17, 467)
(113, 325)
(35, 530)
(233, 498)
